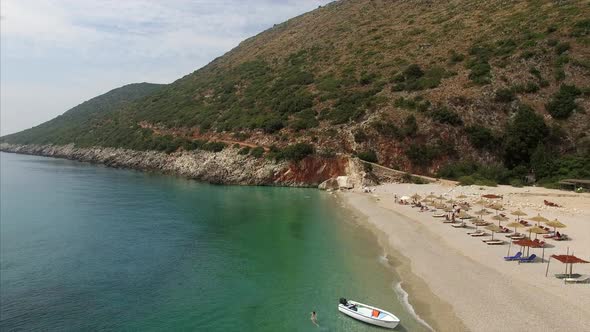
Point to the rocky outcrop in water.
(225, 167)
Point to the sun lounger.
(517, 237)
(567, 275)
(477, 234)
(529, 259)
(562, 237)
(513, 258)
(579, 280)
(458, 225)
(514, 234)
(439, 215)
(493, 242)
(549, 236)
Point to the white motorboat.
(366, 313)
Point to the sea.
(84, 247)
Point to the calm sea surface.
(84, 247)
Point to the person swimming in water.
(314, 318)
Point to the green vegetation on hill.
(91, 121)
(428, 84)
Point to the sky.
(55, 54)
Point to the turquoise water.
(85, 247)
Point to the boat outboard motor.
(343, 301)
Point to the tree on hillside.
(524, 133)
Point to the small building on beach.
(575, 184)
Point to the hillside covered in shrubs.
(482, 91)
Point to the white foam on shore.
(403, 298)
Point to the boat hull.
(368, 320)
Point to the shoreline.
(226, 167)
(456, 284)
(427, 306)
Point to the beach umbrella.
(568, 259)
(537, 230)
(555, 224)
(539, 219)
(515, 225)
(499, 218)
(482, 212)
(518, 214)
(465, 206)
(416, 197)
(481, 202)
(448, 209)
(529, 244)
(495, 206)
(464, 215)
(440, 206)
(451, 201)
(431, 196)
(494, 229)
(461, 196)
(440, 197)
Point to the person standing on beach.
(314, 318)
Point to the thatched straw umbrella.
(515, 225)
(481, 202)
(555, 224)
(461, 196)
(496, 206)
(500, 219)
(416, 197)
(482, 212)
(518, 214)
(494, 229)
(440, 206)
(464, 215)
(539, 219)
(537, 230)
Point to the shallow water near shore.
(85, 247)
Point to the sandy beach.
(458, 283)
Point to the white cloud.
(62, 44)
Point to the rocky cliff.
(225, 167)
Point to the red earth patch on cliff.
(313, 170)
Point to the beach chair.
(493, 242)
(578, 280)
(529, 259)
(567, 275)
(458, 225)
(478, 234)
(513, 258)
